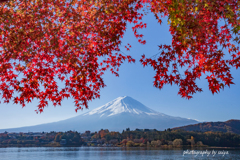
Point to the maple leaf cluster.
(197, 44)
(76, 41)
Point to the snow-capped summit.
(117, 115)
(120, 105)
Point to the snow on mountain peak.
(120, 105)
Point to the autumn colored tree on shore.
(45, 40)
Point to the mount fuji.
(117, 115)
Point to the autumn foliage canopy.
(76, 41)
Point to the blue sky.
(136, 81)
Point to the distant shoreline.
(154, 148)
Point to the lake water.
(114, 153)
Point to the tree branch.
(1, 1)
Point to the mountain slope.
(231, 126)
(121, 113)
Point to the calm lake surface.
(114, 153)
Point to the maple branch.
(65, 14)
(155, 55)
(1, 1)
(93, 31)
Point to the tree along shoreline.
(120, 146)
(126, 147)
(146, 138)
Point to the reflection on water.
(107, 153)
